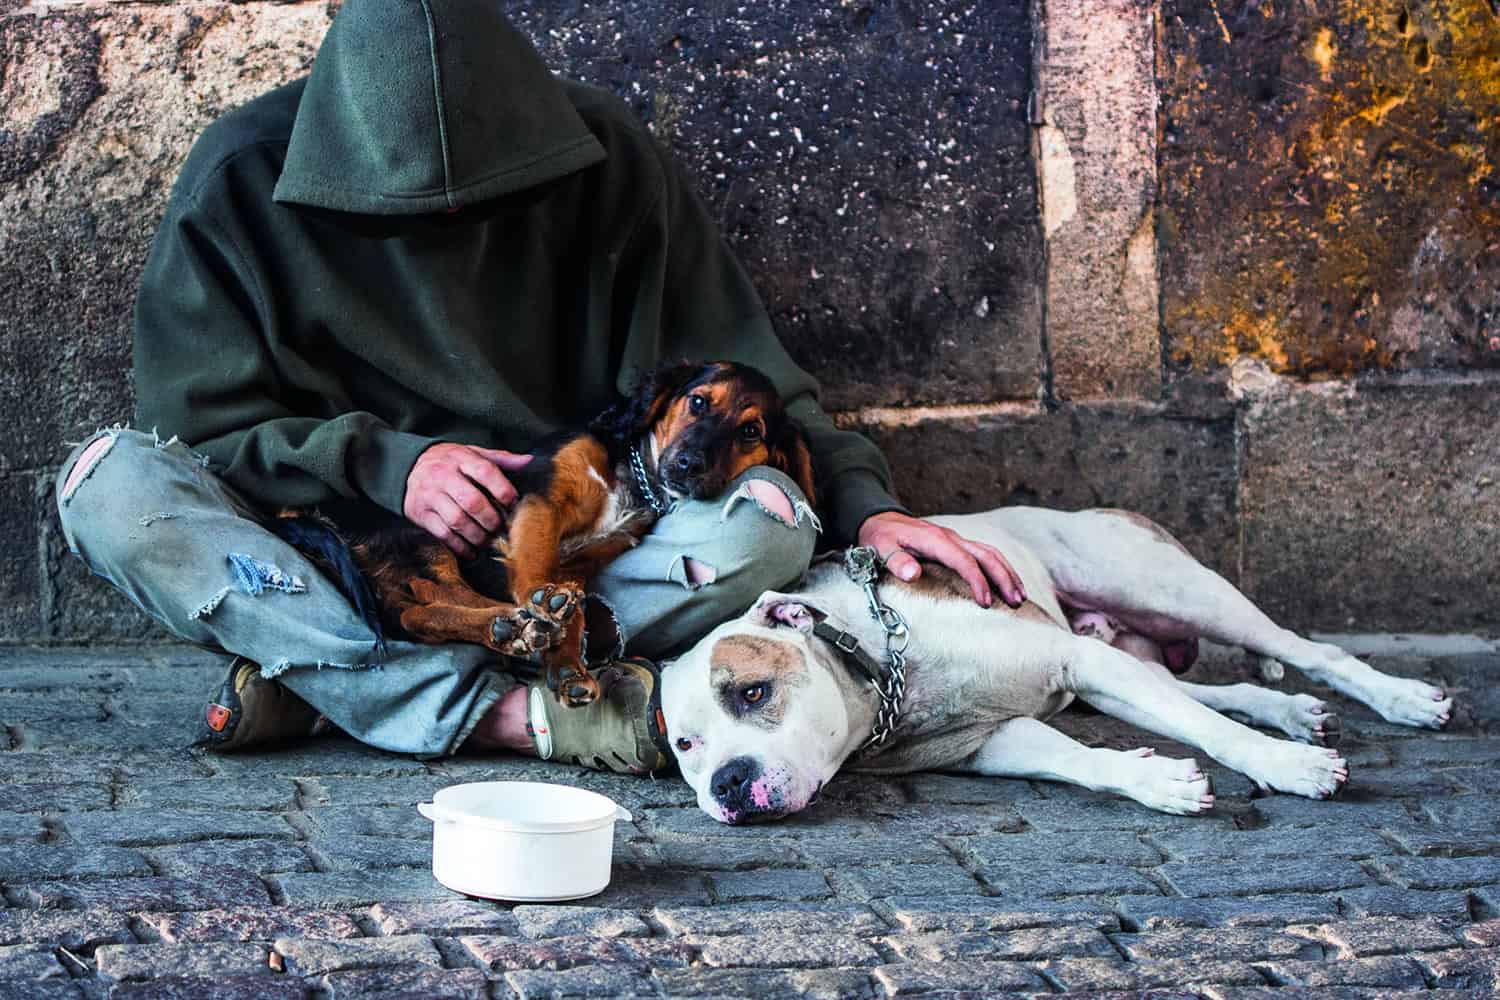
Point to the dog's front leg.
(1121, 685)
(1027, 748)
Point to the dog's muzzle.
(739, 789)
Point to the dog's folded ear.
(775, 610)
(623, 423)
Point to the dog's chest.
(621, 513)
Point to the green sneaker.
(252, 712)
(621, 731)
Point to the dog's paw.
(554, 602)
(1167, 784)
(520, 633)
(574, 685)
(1310, 771)
(1307, 719)
(1409, 702)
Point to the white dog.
(766, 709)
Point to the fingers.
(432, 522)
(493, 482)
(458, 521)
(507, 460)
(935, 543)
(902, 564)
(1000, 572)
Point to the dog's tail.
(317, 538)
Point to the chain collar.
(863, 567)
(643, 484)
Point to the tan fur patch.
(741, 661)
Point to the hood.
(417, 106)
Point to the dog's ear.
(774, 610)
(623, 423)
(790, 454)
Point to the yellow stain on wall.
(1323, 51)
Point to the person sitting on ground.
(387, 280)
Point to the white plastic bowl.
(526, 841)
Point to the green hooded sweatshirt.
(432, 238)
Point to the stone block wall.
(1233, 264)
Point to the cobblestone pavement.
(132, 868)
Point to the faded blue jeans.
(152, 519)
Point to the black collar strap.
(860, 663)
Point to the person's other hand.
(455, 493)
(900, 539)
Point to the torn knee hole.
(87, 459)
(769, 497)
(692, 573)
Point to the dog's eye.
(697, 405)
(754, 693)
(684, 744)
(750, 431)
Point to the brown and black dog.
(586, 497)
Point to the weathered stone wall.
(1234, 265)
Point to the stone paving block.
(945, 821)
(72, 797)
(30, 962)
(1156, 912)
(48, 862)
(1082, 976)
(421, 982)
(216, 988)
(1289, 875)
(1385, 901)
(84, 736)
(138, 827)
(640, 887)
(356, 851)
(1442, 873)
(321, 758)
(449, 918)
(500, 954)
(1243, 943)
(787, 918)
(872, 850)
(906, 880)
(1467, 812)
(361, 888)
(588, 981)
(268, 857)
(721, 854)
(315, 957)
(965, 789)
(199, 959)
(965, 978)
(1482, 935)
(1382, 936)
(987, 913)
(73, 929)
(1387, 971)
(562, 921)
(1445, 841)
(1472, 969)
(1448, 751)
(404, 790)
(1346, 812)
(206, 793)
(1020, 879)
(1087, 847)
(336, 822)
(764, 984)
(246, 924)
(1271, 842)
(1036, 943)
(781, 950)
(158, 893)
(769, 883)
(62, 769)
(1073, 811)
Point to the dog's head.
(758, 713)
(706, 424)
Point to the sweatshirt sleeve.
(711, 312)
(206, 371)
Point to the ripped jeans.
(149, 517)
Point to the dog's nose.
(731, 782)
(690, 463)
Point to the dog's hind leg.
(1134, 571)
(1027, 748)
(1121, 685)
(1300, 716)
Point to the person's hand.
(900, 538)
(453, 490)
